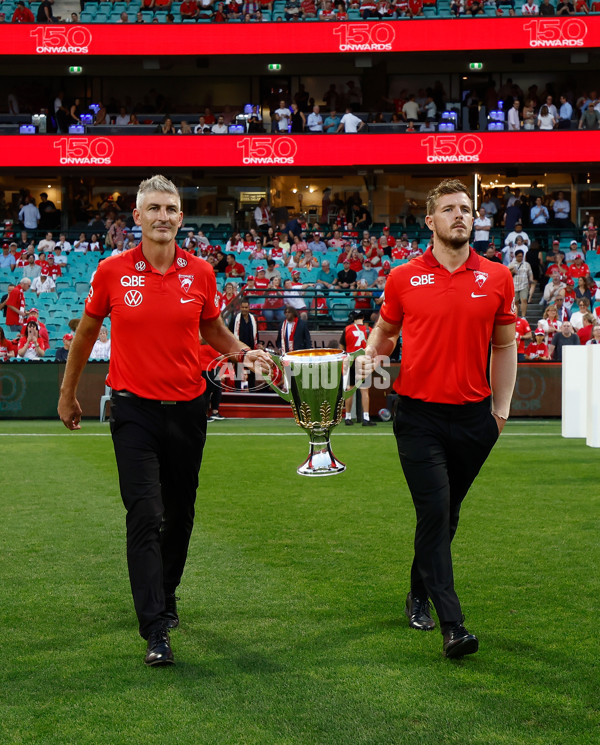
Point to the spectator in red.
(537, 351)
(569, 296)
(7, 348)
(585, 332)
(400, 252)
(234, 268)
(34, 315)
(368, 9)
(578, 268)
(355, 259)
(385, 270)
(189, 10)
(273, 307)
(32, 346)
(15, 304)
(353, 338)
(550, 323)
(22, 14)
(522, 332)
(163, 5)
(595, 335)
(309, 9)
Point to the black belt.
(129, 394)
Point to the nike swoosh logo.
(474, 295)
(191, 300)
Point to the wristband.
(242, 354)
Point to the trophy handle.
(285, 395)
(351, 357)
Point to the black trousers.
(213, 393)
(158, 448)
(442, 448)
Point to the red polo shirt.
(16, 298)
(355, 337)
(447, 322)
(155, 321)
(575, 272)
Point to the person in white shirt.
(530, 9)
(574, 252)
(511, 238)
(46, 244)
(220, 128)
(122, 118)
(551, 107)
(262, 213)
(118, 249)
(482, 226)
(43, 283)
(514, 122)
(101, 348)
(63, 244)
(410, 110)
(314, 121)
(282, 117)
(81, 245)
(350, 123)
(577, 317)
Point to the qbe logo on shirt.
(422, 279)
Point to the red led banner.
(355, 36)
(231, 151)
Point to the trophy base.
(321, 461)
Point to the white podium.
(581, 393)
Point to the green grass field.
(292, 630)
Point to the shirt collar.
(472, 261)
(141, 263)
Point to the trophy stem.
(321, 461)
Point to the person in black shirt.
(44, 13)
(346, 278)
(564, 338)
(63, 352)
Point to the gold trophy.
(315, 381)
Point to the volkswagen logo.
(133, 298)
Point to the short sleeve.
(507, 309)
(97, 303)
(211, 308)
(391, 309)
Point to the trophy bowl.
(315, 386)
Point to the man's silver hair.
(155, 183)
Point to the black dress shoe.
(458, 642)
(418, 612)
(159, 650)
(348, 422)
(170, 613)
(368, 423)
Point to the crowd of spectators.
(222, 11)
(306, 266)
(336, 109)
